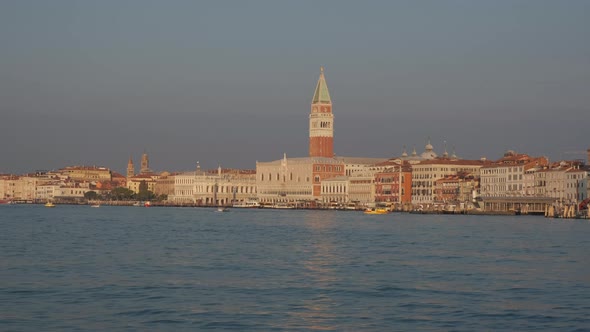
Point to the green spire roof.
(321, 94)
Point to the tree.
(122, 194)
(144, 194)
(90, 195)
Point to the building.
(361, 189)
(459, 188)
(224, 187)
(295, 179)
(87, 173)
(335, 190)
(290, 180)
(184, 188)
(393, 184)
(507, 177)
(136, 181)
(220, 187)
(427, 172)
(165, 184)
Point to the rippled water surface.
(129, 268)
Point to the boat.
(95, 205)
(247, 204)
(6, 201)
(283, 206)
(49, 205)
(147, 204)
(351, 206)
(137, 204)
(376, 211)
(222, 209)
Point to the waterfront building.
(506, 184)
(361, 189)
(459, 188)
(335, 190)
(393, 184)
(295, 179)
(10, 187)
(427, 172)
(47, 191)
(23, 187)
(565, 182)
(71, 191)
(164, 184)
(224, 187)
(134, 182)
(576, 184)
(290, 180)
(507, 177)
(184, 186)
(217, 187)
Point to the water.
(129, 268)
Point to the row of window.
(278, 177)
(328, 168)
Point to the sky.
(230, 82)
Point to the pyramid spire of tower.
(321, 95)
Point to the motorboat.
(222, 209)
(376, 211)
(49, 205)
(95, 205)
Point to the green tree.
(122, 194)
(90, 195)
(144, 194)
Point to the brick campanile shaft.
(321, 121)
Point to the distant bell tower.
(130, 168)
(145, 164)
(321, 121)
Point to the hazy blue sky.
(230, 82)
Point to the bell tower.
(321, 121)
(130, 168)
(145, 163)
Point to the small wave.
(144, 312)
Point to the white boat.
(248, 204)
(222, 209)
(282, 206)
(95, 205)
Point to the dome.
(428, 155)
(429, 146)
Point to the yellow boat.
(49, 204)
(376, 211)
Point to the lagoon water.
(128, 268)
